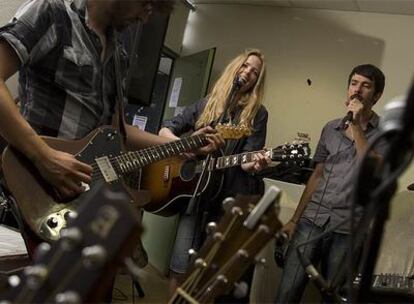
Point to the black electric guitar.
(46, 213)
(80, 266)
(172, 181)
(231, 247)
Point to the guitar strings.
(146, 156)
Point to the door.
(189, 81)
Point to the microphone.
(347, 119)
(238, 82)
(349, 116)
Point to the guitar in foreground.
(172, 181)
(246, 227)
(80, 266)
(46, 213)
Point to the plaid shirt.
(65, 89)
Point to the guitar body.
(42, 210)
(172, 183)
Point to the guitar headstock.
(232, 132)
(231, 247)
(80, 266)
(291, 152)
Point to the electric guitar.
(81, 265)
(172, 181)
(46, 213)
(231, 247)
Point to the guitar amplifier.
(391, 287)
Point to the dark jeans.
(328, 251)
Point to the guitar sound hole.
(188, 170)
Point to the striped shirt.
(65, 89)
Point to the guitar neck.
(132, 161)
(234, 160)
(281, 154)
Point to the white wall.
(299, 44)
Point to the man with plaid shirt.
(63, 50)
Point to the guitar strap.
(118, 121)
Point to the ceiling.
(404, 7)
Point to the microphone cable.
(320, 204)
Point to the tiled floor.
(155, 287)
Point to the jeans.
(188, 236)
(328, 251)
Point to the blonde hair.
(250, 100)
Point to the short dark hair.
(371, 72)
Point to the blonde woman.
(244, 79)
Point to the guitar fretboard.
(113, 167)
(233, 160)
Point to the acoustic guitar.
(172, 181)
(46, 212)
(231, 247)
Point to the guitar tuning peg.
(260, 262)
(192, 252)
(218, 236)
(94, 256)
(240, 290)
(36, 275)
(211, 227)
(68, 297)
(70, 237)
(200, 263)
(14, 281)
(41, 251)
(227, 201)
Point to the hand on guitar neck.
(261, 160)
(216, 141)
(215, 137)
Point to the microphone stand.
(229, 101)
(397, 158)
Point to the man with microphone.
(327, 197)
